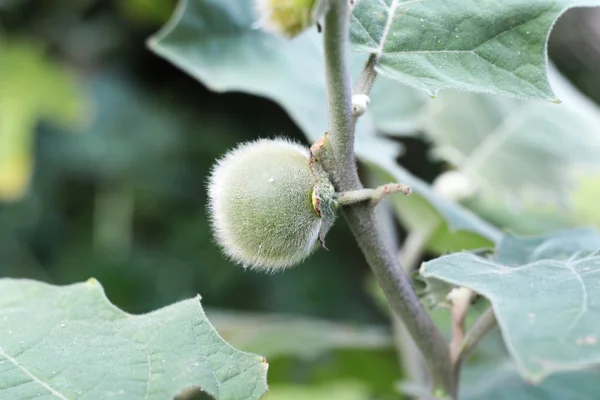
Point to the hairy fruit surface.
(263, 204)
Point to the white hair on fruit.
(260, 204)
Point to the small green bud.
(270, 203)
(289, 18)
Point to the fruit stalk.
(360, 216)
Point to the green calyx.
(324, 198)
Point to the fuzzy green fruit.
(270, 206)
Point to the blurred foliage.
(122, 197)
(31, 87)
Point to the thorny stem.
(361, 217)
(372, 195)
(480, 328)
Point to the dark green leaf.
(491, 46)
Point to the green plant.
(273, 201)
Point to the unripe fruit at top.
(270, 205)
(289, 18)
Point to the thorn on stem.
(391, 188)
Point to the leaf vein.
(364, 29)
(584, 298)
(386, 28)
(37, 380)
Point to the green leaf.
(560, 245)
(499, 380)
(513, 148)
(217, 42)
(491, 46)
(31, 88)
(397, 109)
(542, 291)
(278, 335)
(491, 374)
(71, 343)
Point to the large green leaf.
(499, 380)
(216, 42)
(510, 147)
(542, 291)
(71, 343)
(492, 46)
(31, 88)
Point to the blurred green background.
(104, 154)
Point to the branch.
(481, 327)
(461, 300)
(361, 218)
(372, 195)
(412, 360)
(367, 77)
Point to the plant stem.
(367, 77)
(461, 301)
(360, 217)
(412, 360)
(481, 327)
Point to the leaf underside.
(534, 142)
(498, 380)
